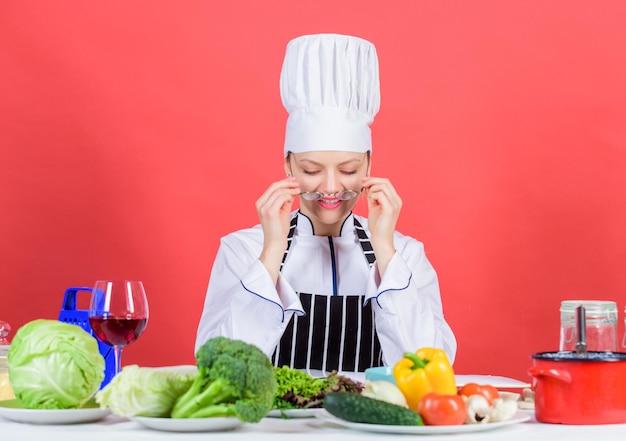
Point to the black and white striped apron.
(337, 332)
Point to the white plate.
(494, 380)
(181, 368)
(294, 413)
(386, 373)
(421, 430)
(13, 410)
(189, 424)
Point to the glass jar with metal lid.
(600, 325)
(6, 393)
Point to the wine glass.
(118, 314)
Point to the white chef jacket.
(242, 302)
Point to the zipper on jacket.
(333, 264)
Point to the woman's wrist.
(271, 258)
(383, 256)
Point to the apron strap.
(364, 240)
(292, 229)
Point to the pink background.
(133, 135)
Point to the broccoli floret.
(234, 379)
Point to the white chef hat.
(329, 85)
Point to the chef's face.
(328, 173)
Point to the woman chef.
(321, 288)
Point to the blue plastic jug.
(80, 317)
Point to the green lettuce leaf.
(144, 391)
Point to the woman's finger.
(384, 186)
(277, 200)
(288, 183)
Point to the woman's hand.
(274, 209)
(383, 205)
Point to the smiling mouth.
(330, 201)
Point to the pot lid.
(570, 356)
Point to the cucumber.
(357, 408)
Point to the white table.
(113, 428)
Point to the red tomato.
(442, 410)
(486, 390)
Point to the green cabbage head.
(145, 391)
(54, 365)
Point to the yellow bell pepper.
(428, 370)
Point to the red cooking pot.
(579, 389)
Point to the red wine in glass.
(118, 314)
(117, 330)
